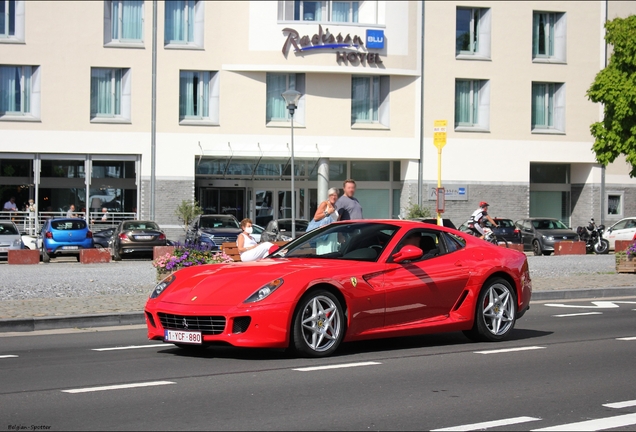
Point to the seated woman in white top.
(247, 246)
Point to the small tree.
(187, 211)
(615, 88)
(416, 211)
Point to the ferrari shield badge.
(354, 281)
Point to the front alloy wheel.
(319, 324)
(495, 314)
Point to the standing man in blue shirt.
(348, 207)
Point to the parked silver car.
(10, 238)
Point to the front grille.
(211, 325)
(241, 324)
(224, 239)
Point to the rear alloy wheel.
(536, 248)
(496, 312)
(319, 324)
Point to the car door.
(527, 233)
(426, 288)
(628, 231)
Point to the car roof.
(65, 219)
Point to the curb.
(133, 318)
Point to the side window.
(429, 241)
(453, 243)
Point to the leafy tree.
(187, 211)
(615, 88)
(415, 211)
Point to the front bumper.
(268, 324)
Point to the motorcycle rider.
(476, 221)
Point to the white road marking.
(597, 305)
(506, 350)
(130, 347)
(624, 404)
(337, 366)
(595, 425)
(627, 338)
(8, 356)
(490, 424)
(578, 314)
(118, 387)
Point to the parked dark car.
(281, 230)
(136, 237)
(64, 236)
(506, 230)
(540, 234)
(213, 230)
(446, 222)
(102, 237)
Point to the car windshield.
(301, 226)
(63, 225)
(357, 241)
(548, 224)
(218, 222)
(8, 229)
(140, 226)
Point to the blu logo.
(375, 39)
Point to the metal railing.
(31, 222)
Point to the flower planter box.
(92, 256)
(161, 250)
(569, 248)
(622, 245)
(625, 266)
(23, 256)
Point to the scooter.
(592, 235)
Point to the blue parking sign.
(375, 39)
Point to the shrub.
(188, 255)
(415, 211)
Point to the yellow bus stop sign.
(439, 133)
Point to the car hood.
(229, 284)
(221, 231)
(557, 232)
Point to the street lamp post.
(291, 99)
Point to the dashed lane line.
(595, 425)
(131, 347)
(624, 404)
(336, 366)
(490, 424)
(8, 356)
(627, 338)
(507, 350)
(578, 314)
(118, 387)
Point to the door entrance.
(223, 201)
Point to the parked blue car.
(65, 236)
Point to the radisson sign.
(325, 40)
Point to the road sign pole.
(439, 139)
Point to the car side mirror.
(408, 253)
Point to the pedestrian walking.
(348, 206)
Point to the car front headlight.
(264, 291)
(545, 237)
(161, 286)
(17, 243)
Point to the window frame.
(18, 22)
(29, 95)
(350, 12)
(554, 100)
(621, 196)
(558, 37)
(213, 83)
(287, 12)
(480, 31)
(197, 27)
(382, 91)
(480, 106)
(111, 40)
(299, 115)
(124, 115)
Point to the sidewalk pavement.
(92, 311)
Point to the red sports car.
(343, 282)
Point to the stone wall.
(169, 194)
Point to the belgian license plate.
(4, 249)
(143, 237)
(177, 336)
(69, 247)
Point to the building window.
(123, 21)
(184, 23)
(614, 204)
(19, 92)
(472, 104)
(472, 33)
(548, 107)
(548, 36)
(370, 100)
(328, 11)
(110, 94)
(199, 97)
(277, 84)
(11, 21)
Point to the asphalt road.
(567, 369)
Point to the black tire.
(547, 253)
(45, 256)
(322, 327)
(116, 255)
(78, 258)
(603, 248)
(495, 312)
(536, 248)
